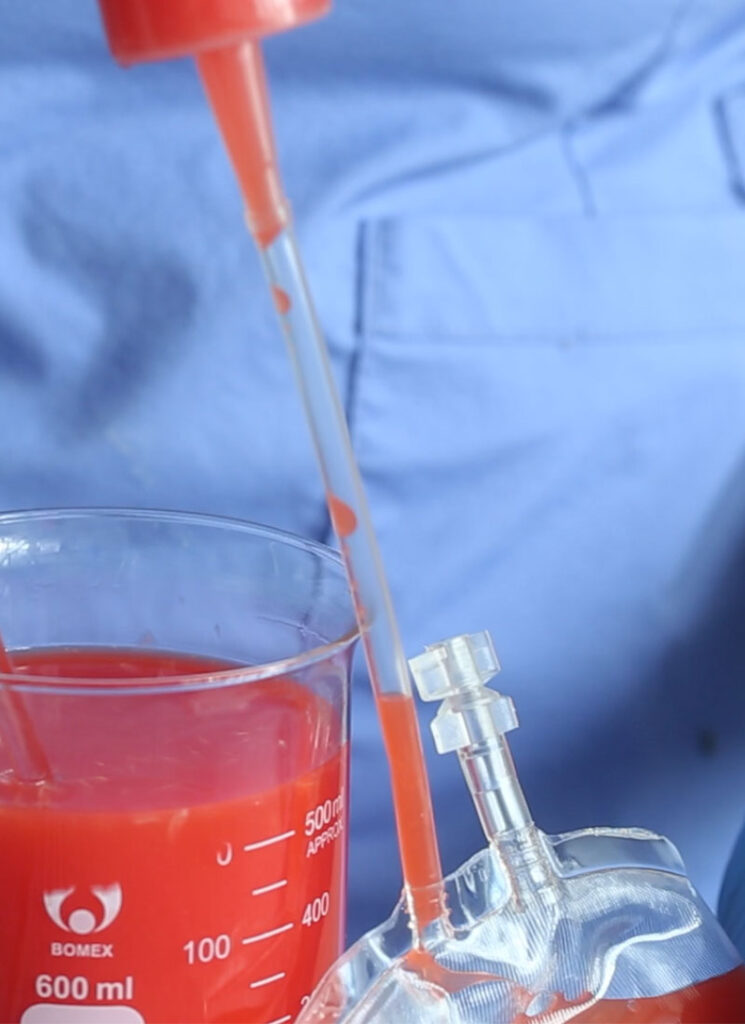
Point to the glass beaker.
(173, 768)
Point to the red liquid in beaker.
(196, 875)
(714, 1001)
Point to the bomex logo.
(82, 920)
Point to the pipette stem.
(386, 662)
(235, 84)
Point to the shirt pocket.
(556, 281)
(547, 413)
(730, 116)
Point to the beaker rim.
(162, 684)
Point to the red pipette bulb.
(140, 30)
(223, 36)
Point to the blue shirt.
(524, 228)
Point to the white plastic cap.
(455, 671)
(452, 666)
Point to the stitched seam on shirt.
(376, 236)
(363, 306)
(566, 339)
(577, 170)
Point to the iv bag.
(599, 925)
(608, 929)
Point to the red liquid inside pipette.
(414, 821)
(220, 817)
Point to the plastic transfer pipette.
(233, 76)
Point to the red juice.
(715, 1001)
(187, 861)
(414, 819)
